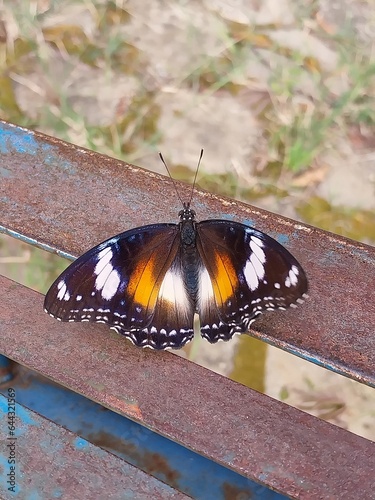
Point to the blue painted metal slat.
(39, 460)
(160, 457)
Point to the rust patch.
(230, 492)
(128, 408)
(152, 463)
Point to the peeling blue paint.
(3, 463)
(25, 417)
(296, 235)
(362, 253)
(33, 495)
(80, 443)
(229, 457)
(13, 139)
(3, 405)
(250, 222)
(62, 164)
(49, 440)
(283, 239)
(18, 140)
(22, 414)
(267, 470)
(226, 217)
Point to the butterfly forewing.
(249, 273)
(125, 282)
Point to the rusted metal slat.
(263, 439)
(47, 461)
(61, 197)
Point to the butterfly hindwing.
(245, 272)
(132, 282)
(172, 324)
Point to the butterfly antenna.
(174, 183)
(195, 177)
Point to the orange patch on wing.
(226, 280)
(142, 284)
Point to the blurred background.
(280, 94)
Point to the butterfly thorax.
(188, 229)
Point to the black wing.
(245, 272)
(133, 283)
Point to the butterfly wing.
(133, 283)
(245, 272)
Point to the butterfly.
(147, 283)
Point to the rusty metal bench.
(65, 199)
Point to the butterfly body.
(147, 283)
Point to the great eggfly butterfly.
(147, 283)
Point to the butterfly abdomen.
(190, 259)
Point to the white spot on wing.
(256, 247)
(205, 290)
(103, 276)
(104, 258)
(111, 285)
(254, 270)
(256, 240)
(173, 290)
(251, 276)
(258, 266)
(293, 275)
(61, 286)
